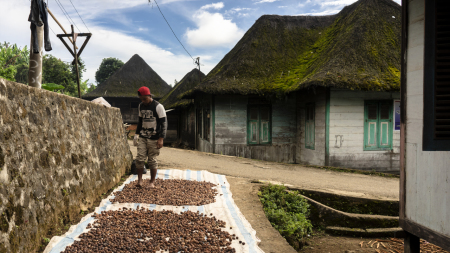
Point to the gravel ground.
(349, 184)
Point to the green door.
(378, 126)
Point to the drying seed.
(174, 192)
(151, 231)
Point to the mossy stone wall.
(58, 154)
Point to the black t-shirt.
(152, 121)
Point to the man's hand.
(135, 140)
(160, 143)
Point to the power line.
(173, 31)
(66, 12)
(62, 11)
(79, 15)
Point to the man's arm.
(139, 126)
(161, 133)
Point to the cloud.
(216, 6)
(213, 30)
(104, 43)
(323, 13)
(266, 1)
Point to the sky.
(122, 28)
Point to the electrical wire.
(173, 31)
(64, 10)
(79, 16)
(57, 3)
(52, 31)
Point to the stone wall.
(58, 154)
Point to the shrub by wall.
(58, 154)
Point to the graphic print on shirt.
(148, 123)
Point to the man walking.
(151, 130)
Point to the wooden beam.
(425, 233)
(68, 48)
(403, 109)
(71, 35)
(62, 28)
(76, 62)
(82, 48)
(412, 243)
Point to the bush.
(287, 212)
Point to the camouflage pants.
(147, 149)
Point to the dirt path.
(303, 177)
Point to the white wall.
(427, 173)
(347, 123)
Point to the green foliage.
(46, 240)
(107, 68)
(64, 74)
(287, 212)
(52, 86)
(13, 60)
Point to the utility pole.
(197, 62)
(35, 69)
(74, 39)
(75, 54)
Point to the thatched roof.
(129, 78)
(189, 81)
(358, 48)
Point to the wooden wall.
(231, 130)
(346, 139)
(304, 155)
(186, 135)
(427, 173)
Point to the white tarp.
(101, 101)
(223, 209)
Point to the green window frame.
(310, 126)
(378, 125)
(259, 124)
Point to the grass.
(287, 212)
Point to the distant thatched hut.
(308, 89)
(182, 115)
(120, 90)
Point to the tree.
(63, 73)
(107, 68)
(14, 62)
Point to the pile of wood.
(395, 245)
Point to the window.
(378, 125)
(259, 124)
(310, 125)
(436, 130)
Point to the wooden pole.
(35, 69)
(76, 61)
(62, 28)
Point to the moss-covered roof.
(189, 81)
(358, 48)
(129, 78)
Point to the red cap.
(144, 91)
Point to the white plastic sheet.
(101, 101)
(223, 209)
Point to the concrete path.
(303, 177)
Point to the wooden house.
(425, 123)
(181, 112)
(319, 90)
(120, 90)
